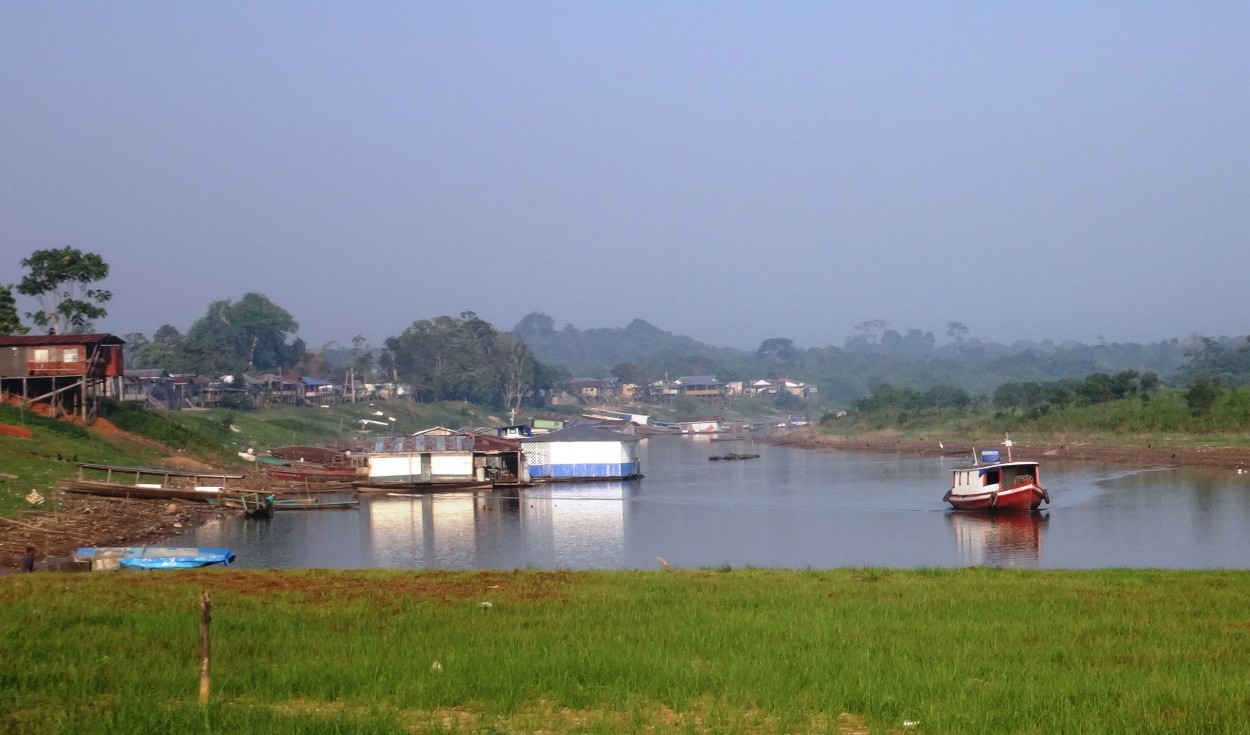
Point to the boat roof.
(993, 465)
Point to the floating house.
(582, 453)
(441, 458)
(699, 425)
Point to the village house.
(663, 390)
(148, 385)
(593, 390)
(795, 387)
(699, 386)
(66, 370)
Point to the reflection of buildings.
(578, 525)
(998, 539)
(574, 525)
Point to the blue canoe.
(152, 557)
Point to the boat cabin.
(1000, 475)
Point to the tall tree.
(132, 352)
(362, 358)
(250, 334)
(10, 322)
(61, 279)
(165, 350)
(464, 358)
(516, 368)
(534, 324)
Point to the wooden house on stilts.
(68, 371)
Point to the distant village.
(40, 367)
(70, 373)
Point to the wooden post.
(206, 653)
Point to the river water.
(790, 508)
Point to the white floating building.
(582, 453)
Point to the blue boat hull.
(153, 557)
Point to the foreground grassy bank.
(711, 651)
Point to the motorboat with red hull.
(992, 485)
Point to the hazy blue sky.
(729, 171)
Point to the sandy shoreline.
(1144, 456)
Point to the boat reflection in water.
(560, 524)
(999, 539)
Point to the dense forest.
(641, 352)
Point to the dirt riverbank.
(1149, 455)
(67, 521)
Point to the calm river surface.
(791, 508)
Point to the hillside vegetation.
(1200, 414)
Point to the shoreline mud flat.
(1150, 455)
(67, 521)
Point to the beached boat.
(316, 503)
(311, 473)
(142, 491)
(153, 483)
(253, 505)
(994, 485)
(317, 456)
(420, 488)
(151, 557)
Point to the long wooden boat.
(165, 475)
(316, 455)
(253, 504)
(140, 491)
(365, 487)
(151, 557)
(992, 485)
(287, 488)
(311, 473)
(316, 503)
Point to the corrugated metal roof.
(407, 444)
(697, 380)
(38, 340)
(581, 434)
(454, 442)
(147, 373)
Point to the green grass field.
(707, 651)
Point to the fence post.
(206, 651)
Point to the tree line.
(448, 358)
(466, 358)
